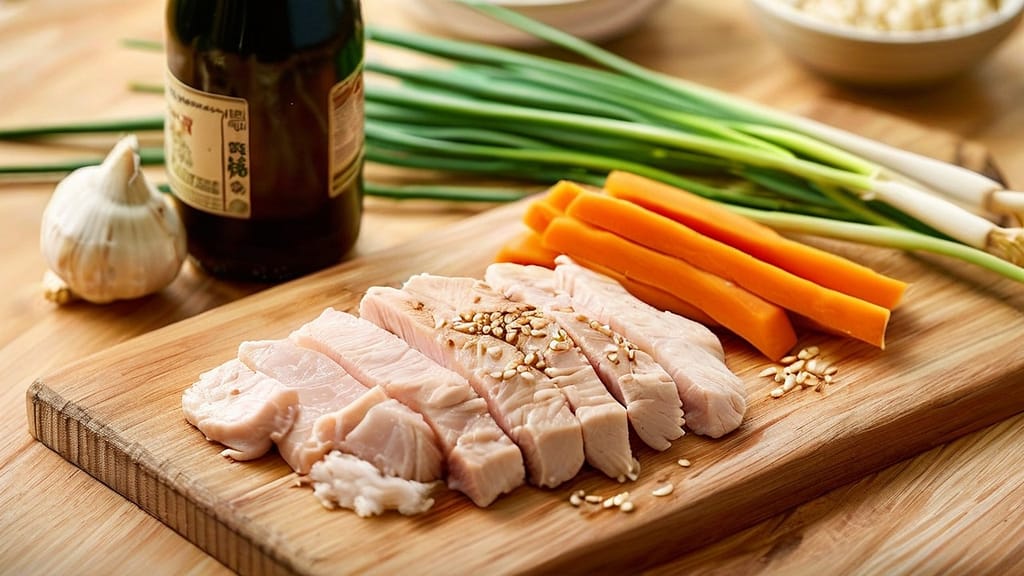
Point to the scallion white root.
(975, 191)
(950, 219)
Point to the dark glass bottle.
(264, 135)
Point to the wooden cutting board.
(952, 365)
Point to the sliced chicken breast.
(527, 406)
(713, 397)
(483, 462)
(538, 337)
(631, 375)
(243, 410)
(338, 412)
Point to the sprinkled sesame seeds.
(620, 501)
(805, 369)
(663, 490)
(683, 462)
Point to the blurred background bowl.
(883, 59)
(594, 20)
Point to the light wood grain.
(943, 374)
(61, 61)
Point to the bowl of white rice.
(888, 43)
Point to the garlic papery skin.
(109, 234)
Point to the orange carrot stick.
(527, 248)
(708, 218)
(539, 214)
(841, 312)
(562, 193)
(761, 323)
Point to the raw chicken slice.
(338, 412)
(602, 419)
(243, 410)
(631, 375)
(483, 462)
(713, 397)
(528, 407)
(346, 481)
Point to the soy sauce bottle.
(264, 132)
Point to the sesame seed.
(508, 374)
(790, 383)
(801, 377)
(495, 375)
(530, 358)
(769, 371)
(796, 366)
(558, 345)
(627, 507)
(592, 498)
(776, 393)
(663, 490)
(620, 498)
(608, 503)
(788, 359)
(575, 500)
(828, 379)
(528, 376)
(830, 370)
(683, 462)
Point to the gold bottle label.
(206, 139)
(345, 125)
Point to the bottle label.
(206, 139)
(346, 116)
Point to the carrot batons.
(841, 312)
(527, 248)
(539, 214)
(761, 323)
(712, 220)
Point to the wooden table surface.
(940, 512)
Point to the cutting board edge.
(69, 431)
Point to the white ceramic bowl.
(883, 59)
(594, 20)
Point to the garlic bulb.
(108, 234)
